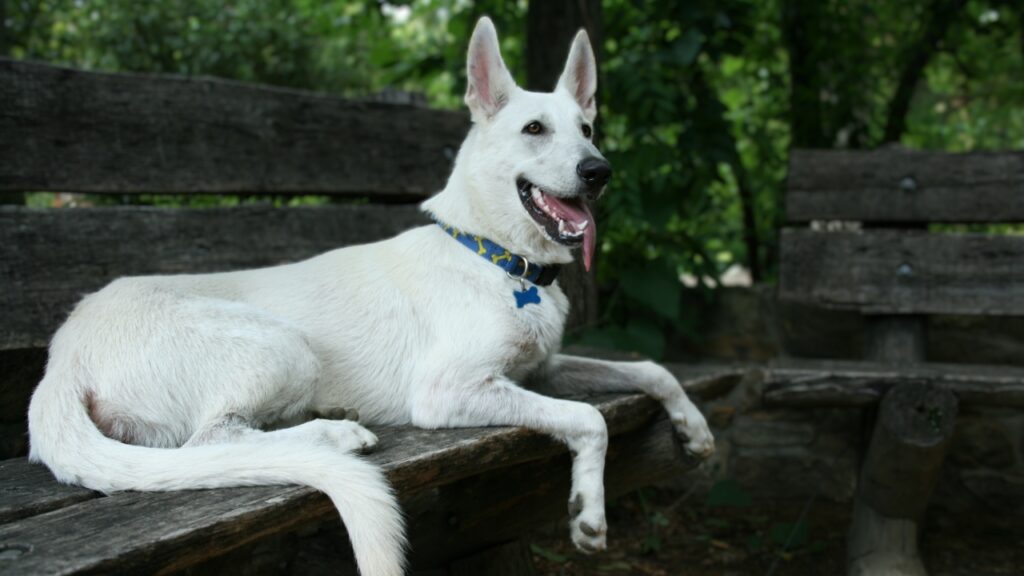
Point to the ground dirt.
(667, 533)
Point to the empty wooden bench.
(867, 234)
(464, 491)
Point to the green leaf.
(785, 532)
(686, 48)
(548, 555)
(652, 544)
(659, 519)
(656, 286)
(644, 336)
(617, 566)
(728, 494)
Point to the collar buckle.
(526, 270)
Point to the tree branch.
(943, 14)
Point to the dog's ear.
(580, 75)
(488, 82)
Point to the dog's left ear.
(580, 75)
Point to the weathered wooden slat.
(129, 532)
(904, 272)
(50, 258)
(70, 130)
(28, 490)
(822, 383)
(900, 185)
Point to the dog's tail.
(64, 437)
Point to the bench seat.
(462, 489)
(810, 383)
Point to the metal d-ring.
(526, 269)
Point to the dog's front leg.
(572, 374)
(497, 401)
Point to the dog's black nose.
(594, 172)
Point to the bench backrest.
(74, 131)
(890, 265)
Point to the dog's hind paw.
(346, 435)
(336, 414)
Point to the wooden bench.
(872, 247)
(465, 491)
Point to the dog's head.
(530, 163)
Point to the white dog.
(442, 326)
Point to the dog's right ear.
(488, 82)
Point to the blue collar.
(516, 266)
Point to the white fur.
(416, 329)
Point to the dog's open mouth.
(567, 221)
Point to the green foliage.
(728, 493)
(548, 554)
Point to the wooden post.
(914, 425)
(895, 339)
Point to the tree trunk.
(5, 35)
(550, 27)
(800, 30)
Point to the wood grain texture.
(823, 383)
(908, 445)
(913, 428)
(482, 511)
(28, 490)
(908, 272)
(163, 532)
(69, 130)
(49, 259)
(900, 185)
(895, 339)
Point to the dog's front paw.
(587, 527)
(697, 438)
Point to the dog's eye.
(587, 130)
(533, 128)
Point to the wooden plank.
(476, 513)
(132, 532)
(50, 258)
(900, 185)
(28, 490)
(69, 130)
(823, 383)
(908, 272)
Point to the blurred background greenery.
(700, 101)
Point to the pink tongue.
(574, 217)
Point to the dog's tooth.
(535, 194)
(583, 225)
(561, 226)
